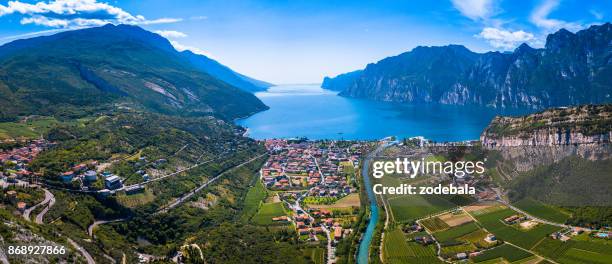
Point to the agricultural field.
(434, 224)
(477, 238)
(397, 250)
(317, 255)
(541, 210)
(573, 251)
(456, 218)
(453, 250)
(450, 235)
(351, 200)
(252, 200)
(135, 200)
(267, 211)
(492, 221)
(505, 251)
(32, 128)
(480, 209)
(408, 208)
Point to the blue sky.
(301, 41)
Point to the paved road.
(91, 227)
(84, 252)
(41, 215)
(196, 190)
(48, 197)
(331, 250)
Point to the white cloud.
(171, 34)
(75, 13)
(475, 9)
(597, 14)
(505, 39)
(180, 47)
(540, 18)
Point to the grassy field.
(317, 255)
(135, 200)
(506, 251)
(527, 239)
(31, 129)
(476, 238)
(456, 232)
(453, 250)
(252, 200)
(408, 208)
(351, 200)
(266, 212)
(541, 210)
(397, 250)
(434, 224)
(575, 251)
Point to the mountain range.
(572, 68)
(96, 67)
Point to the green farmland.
(32, 128)
(397, 250)
(526, 239)
(505, 251)
(542, 210)
(253, 199)
(570, 252)
(456, 232)
(434, 224)
(267, 211)
(408, 208)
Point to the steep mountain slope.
(340, 82)
(571, 69)
(224, 73)
(91, 68)
(563, 126)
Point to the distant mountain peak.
(573, 68)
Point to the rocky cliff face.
(571, 69)
(589, 124)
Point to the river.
(364, 247)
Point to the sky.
(301, 41)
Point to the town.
(316, 181)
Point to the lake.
(315, 113)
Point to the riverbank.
(364, 247)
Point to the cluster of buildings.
(15, 161)
(566, 234)
(513, 219)
(302, 169)
(87, 173)
(11, 197)
(84, 171)
(315, 222)
(308, 165)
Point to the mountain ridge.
(101, 66)
(572, 69)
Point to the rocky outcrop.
(572, 69)
(589, 124)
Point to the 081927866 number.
(35, 250)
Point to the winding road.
(41, 215)
(48, 197)
(84, 252)
(91, 227)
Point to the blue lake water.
(315, 113)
